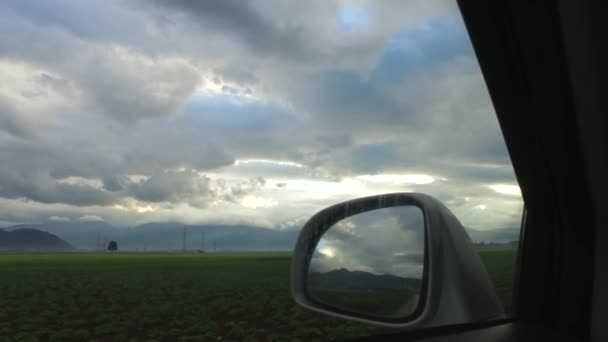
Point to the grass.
(168, 297)
(500, 264)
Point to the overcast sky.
(382, 241)
(258, 112)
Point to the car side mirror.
(401, 260)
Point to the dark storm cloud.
(158, 146)
(112, 183)
(248, 126)
(37, 174)
(100, 22)
(302, 34)
(34, 171)
(189, 187)
(409, 112)
(372, 158)
(344, 101)
(74, 17)
(227, 113)
(11, 122)
(39, 186)
(127, 91)
(354, 102)
(119, 81)
(170, 186)
(46, 190)
(335, 141)
(250, 25)
(237, 75)
(28, 172)
(411, 51)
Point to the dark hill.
(27, 239)
(360, 280)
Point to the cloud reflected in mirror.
(371, 263)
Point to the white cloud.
(258, 202)
(506, 189)
(160, 112)
(398, 179)
(87, 218)
(95, 183)
(267, 161)
(59, 218)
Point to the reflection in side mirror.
(371, 264)
(399, 260)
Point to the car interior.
(543, 65)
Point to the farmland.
(170, 296)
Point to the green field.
(170, 296)
(500, 263)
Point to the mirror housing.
(457, 288)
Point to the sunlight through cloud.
(398, 178)
(506, 189)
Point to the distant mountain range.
(170, 236)
(503, 235)
(26, 239)
(360, 280)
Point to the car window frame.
(519, 47)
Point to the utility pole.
(184, 240)
(202, 241)
(214, 246)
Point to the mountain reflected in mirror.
(371, 263)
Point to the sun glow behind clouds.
(328, 252)
(210, 87)
(95, 183)
(267, 161)
(320, 188)
(506, 189)
(255, 202)
(398, 179)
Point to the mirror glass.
(371, 264)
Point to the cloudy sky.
(383, 241)
(258, 112)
